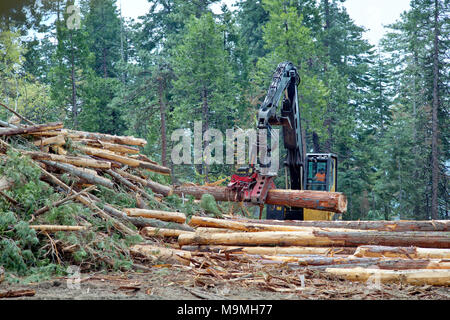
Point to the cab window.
(316, 179)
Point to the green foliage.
(208, 203)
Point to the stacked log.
(413, 257)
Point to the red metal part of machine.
(252, 188)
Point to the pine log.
(154, 186)
(160, 232)
(272, 250)
(156, 214)
(139, 221)
(197, 221)
(212, 230)
(109, 146)
(56, 140)
(81, 173)
(106, 154)
(56, 228)
(143, 158)
(154, 167)
(107, 138)
(383, 225)
(402, 252)
(76, 161)
(31, 129)
(320, 200)
(397, 264)
(161, 254)
(413, 277)
(321, 238)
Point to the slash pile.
(81, 167)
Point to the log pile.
(413, 252)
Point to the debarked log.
(161, 254)
(321, 238)
(374, 276)
(197, 221)
(76, 161)
(319, 200)
(382, 225)
(402, 252)
(156, 214)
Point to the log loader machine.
(306, 171)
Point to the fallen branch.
(56, 228)
(60, 202)
(18, 293)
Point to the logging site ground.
(173, 284)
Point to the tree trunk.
(205, 127)
(435, 132)
(74, 86)
(162, 111)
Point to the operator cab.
(321, 171)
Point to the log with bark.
(197, 221)
(81, 173)
(320, 200)
(154, 186)
(107, 138)
(162, 232)
(272, 250)
(109, 146)
(31, 129)
(56, 140)
(414, 277)
(402, 252)
(401, 225)
(321, 238)
(76, 161)
(161, 254)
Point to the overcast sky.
(371, 14)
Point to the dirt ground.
(180, 284)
